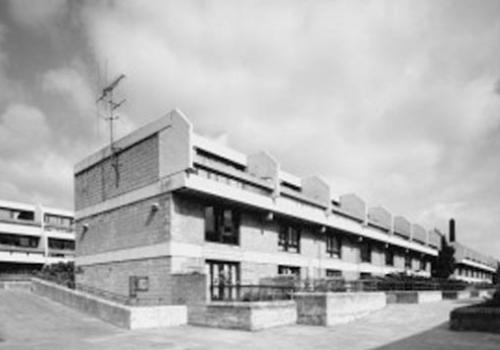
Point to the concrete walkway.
(30, 322)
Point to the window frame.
(289, 238)
(334, 251)
(365, 247)
(293, 270)
(222, 231)
(389, 257)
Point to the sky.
(397, 101)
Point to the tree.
(496, 276)
(445, 263)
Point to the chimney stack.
(451, 231)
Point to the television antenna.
(107, 98)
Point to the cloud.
(395, 100)
(387, 97)
(69, 82)
(34, 13)
(23, 130)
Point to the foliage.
(445, 263)
(496, 276)
(60, 273)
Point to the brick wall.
(129, 226)
(114, 277)
(138, 166)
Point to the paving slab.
(31, 322)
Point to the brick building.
(165, 204)
(32, 235)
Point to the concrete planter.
(328, 309)
(413, 297)
(476, 318)
(248, 316)
(456, 294)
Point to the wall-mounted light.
(155, 207)
(85, 228)
(360, 239)
(322, 229)
(270, 216)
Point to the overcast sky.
(397, 101)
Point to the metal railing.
(374, 285)
(285, 291)
(250, 292)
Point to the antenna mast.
(111, 105)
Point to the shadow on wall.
(442, 338)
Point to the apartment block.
(32, 235)
(164, 204)
(470, 265)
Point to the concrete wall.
(456, 294)
(16, 285)
(329, 309)
(413, 297)
(354, 205)
(248, 316)
(130, 317)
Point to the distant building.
(33, 235)
(470, 266)
(166, 203)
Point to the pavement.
(28, 321)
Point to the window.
(333, 273)
(423, 264)
(408, 261)
(389, 257)
(289, 270)
(365, 275)
(366, 252)
(222, 225)
(56, 220)
(62, 244)
(224, 276)
(289, 239)
(19, 241)
(333, 246)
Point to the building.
(32, 236)
(165, 203)
(470, 266)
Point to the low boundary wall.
(328, 309)
(250, 316)
(475, 318)
(16, 285)
(456, 294)
(130, 317)
(413, 297)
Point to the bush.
(60, 273)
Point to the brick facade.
(137, 166)
(135, 225)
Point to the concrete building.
(470, 266)
(165, 204)
(33, 235)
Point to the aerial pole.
(107, 97)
